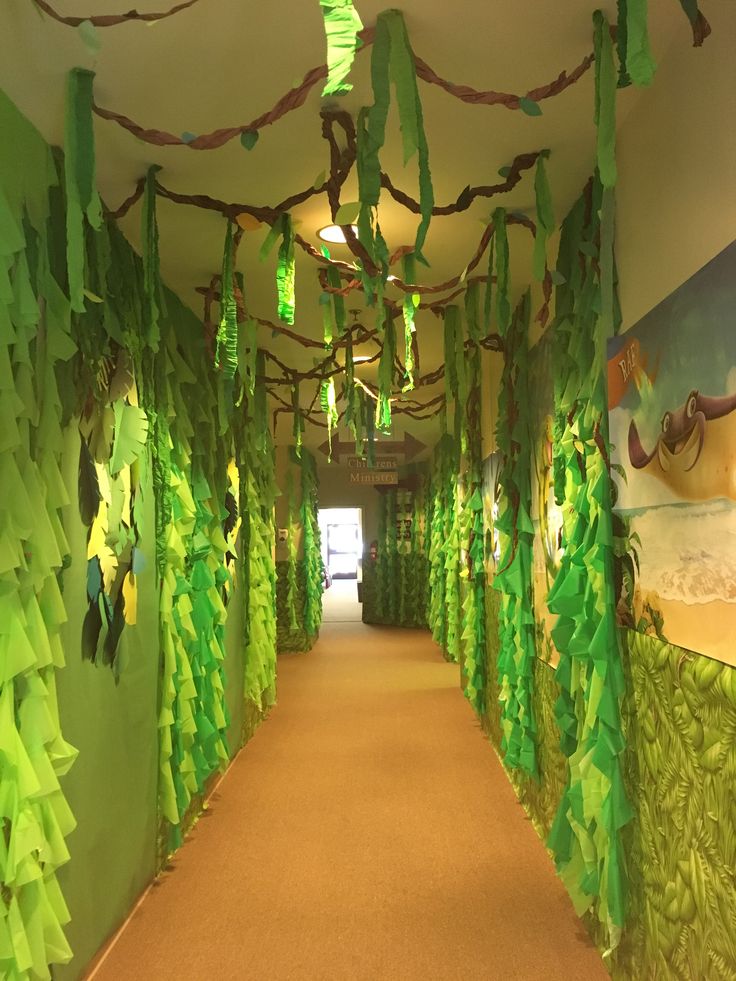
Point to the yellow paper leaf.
(249, 223)
(130, 597)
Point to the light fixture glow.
(391, 278)
(361, 358)
(334, 234)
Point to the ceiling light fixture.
(334, 234)
(361, 358)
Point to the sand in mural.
(545, 513)
(672, 412)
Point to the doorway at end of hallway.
(341, 530)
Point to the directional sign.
(409, 447)
(374, 477)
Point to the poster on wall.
(672, 412)
(545, 513)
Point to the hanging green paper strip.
(409, 309)
(291, 587)
(313, 569)
(298, 419)
(285, 271)
(488, 298)
(503, 302)
(545, 217)
(342, 25)
(605, 99)
(640, 65)
(247, 356)
(82, 200)
(352, 413)
(393, 61)
(226, 350)
(328, 402)
(450, 322)
(386, 377)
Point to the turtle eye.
(692, 404)
(666, 422)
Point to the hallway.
(366, 832)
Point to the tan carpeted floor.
(367, 832)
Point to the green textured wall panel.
(234, 666)
(112, 786)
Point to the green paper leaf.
(503, 172)
(530, 107)
(319, 180)
(557, 278)
(88, 33)
(92, 296)
(188, 137)
(130, 435)
(249, 138)
(347, 213)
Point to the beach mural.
(672, 413)
(545, 513)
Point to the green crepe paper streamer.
(352, 420)
(298, 419)
(247, 355)
(640, 65)
(285, 270)
(342, 25)
(403, 74)
(450, 328)
(151, 261)
(462, 380)
(515, 570)
(291, 586)
(700, 26)
(369, 424)
(488, 299)
(605, 100)
(472, 311)
(226, 345)
(328, 402)
(333, 278)
(393, 60)
(386, 377)
(503, 303)
(328, 321)
(82, 200)
(545, 218)
(409, 310)
(622, 43)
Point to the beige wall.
(676, 194)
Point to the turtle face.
(683, 432)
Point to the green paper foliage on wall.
(313, 568)
(35, 348)
(516, 533)
(586, 837)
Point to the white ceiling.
(224, 62)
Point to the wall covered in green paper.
(137, 546)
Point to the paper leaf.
(249, 223)
(88, 33)
(530, 107)
(188, 137)
(131, 433)
(92, 296)
(557, 278)
(504, 172)
(249, 138)
(319, 180)
(347, 213)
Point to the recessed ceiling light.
(391, 278)
(334, 234)
(360, 358)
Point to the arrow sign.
(409, 447)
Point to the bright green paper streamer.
(488, 298)
(545, 218)
(333, 278)
(342, 25)
(298, 429)
(451, 318)
(640, 65)
(385, 377)
(82, 200)
(605, 100)
(285, 270)
(392, 60)
(409, 310)
(226, 349)
(328, 402)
